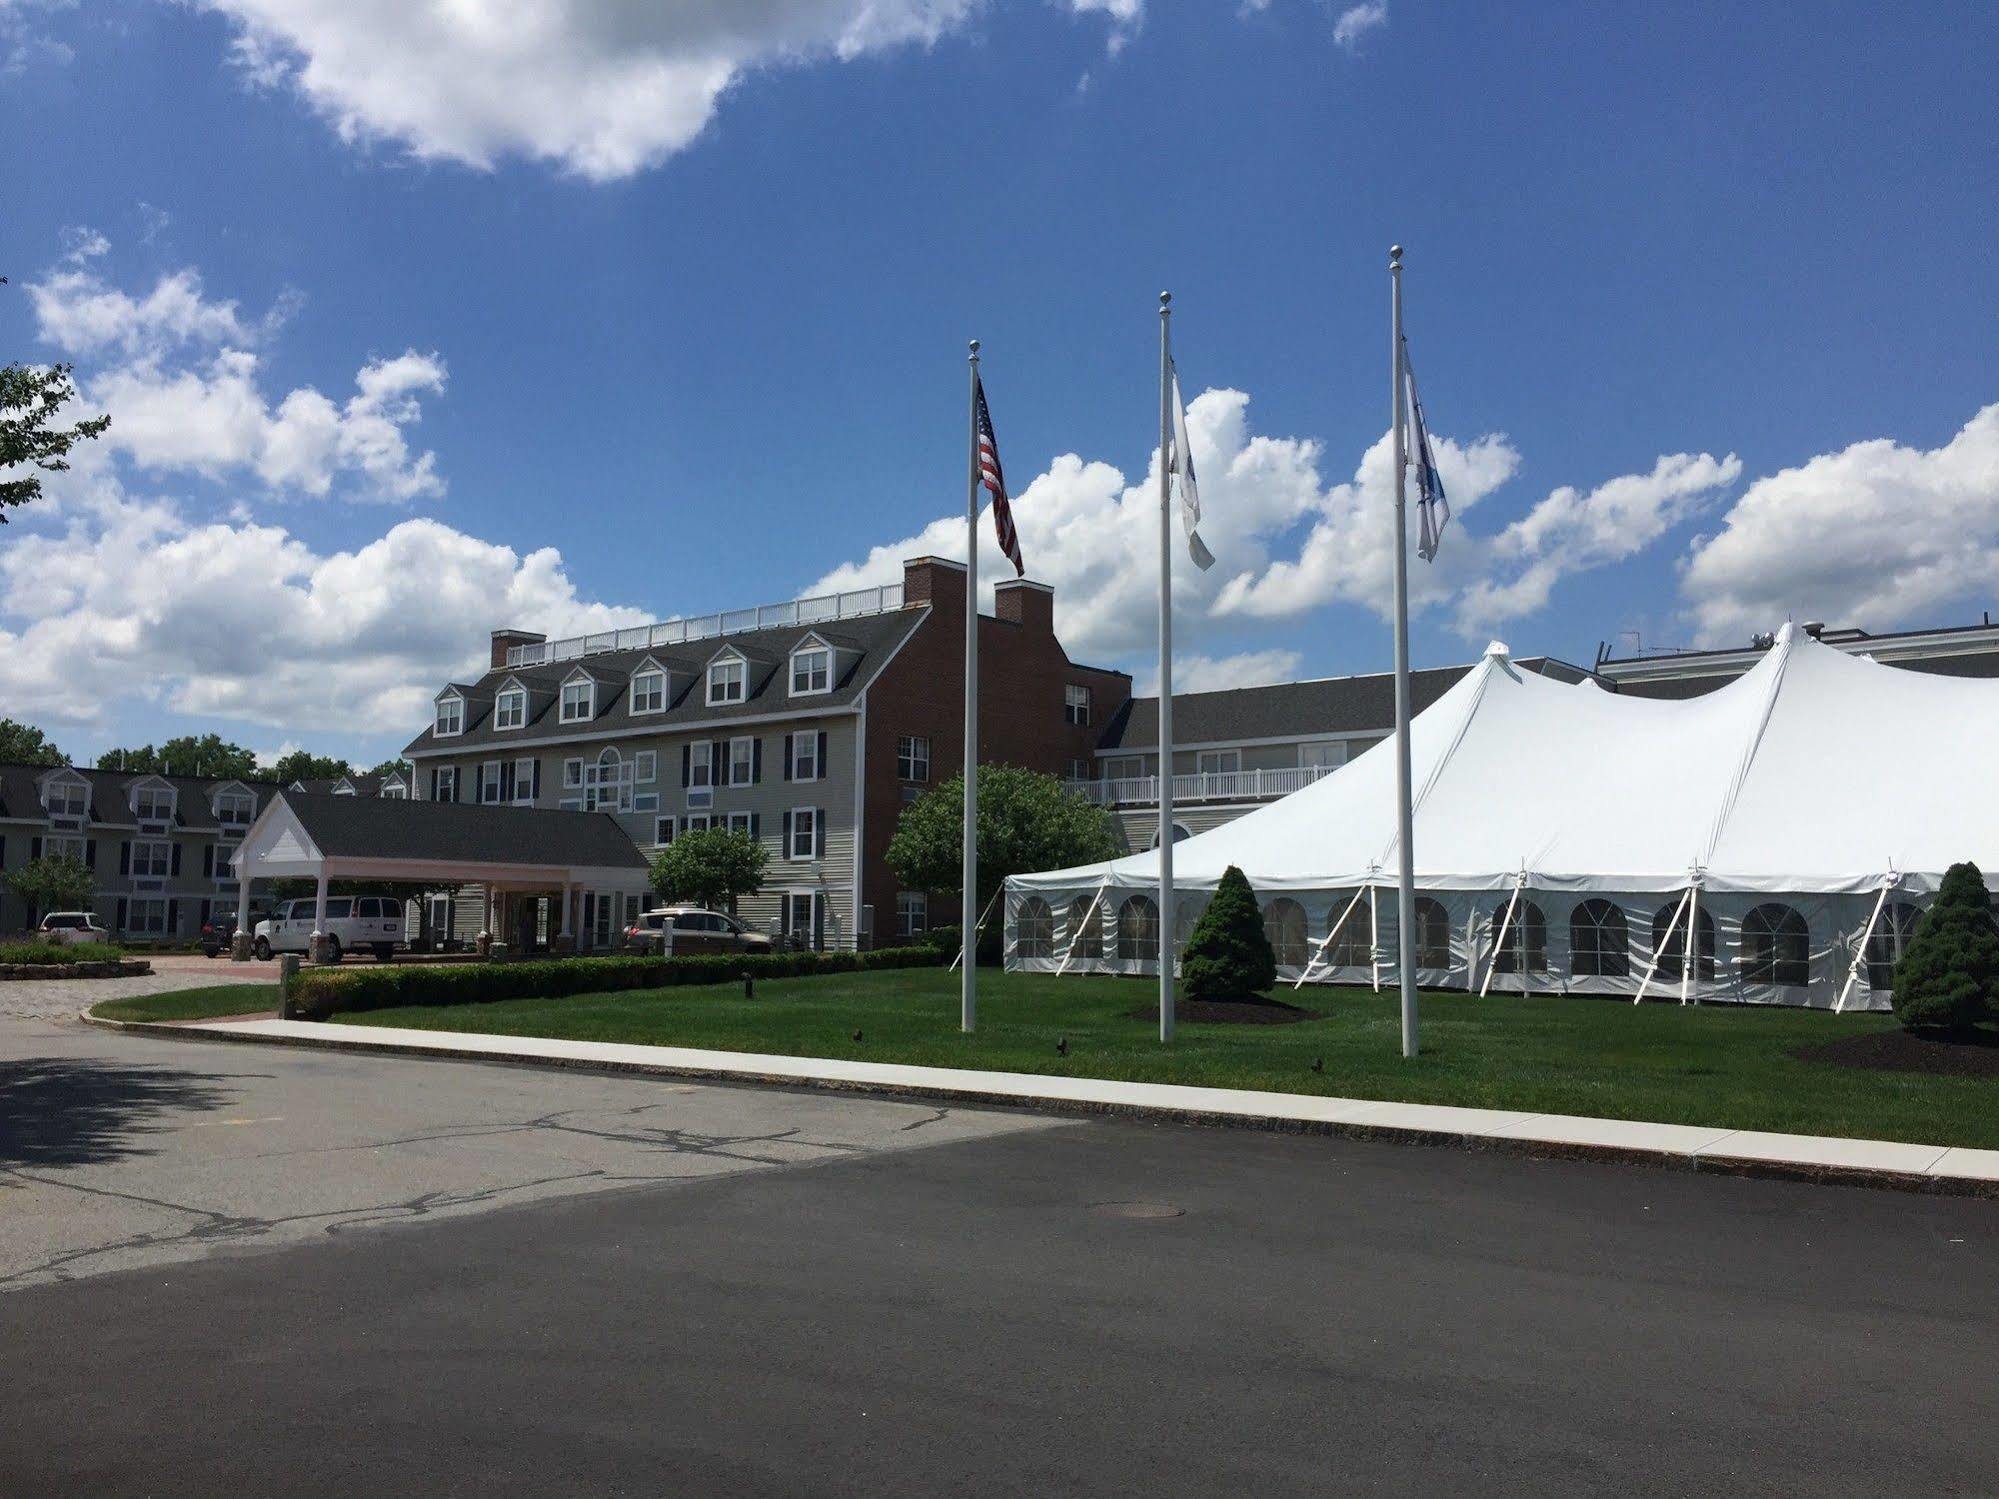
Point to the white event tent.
(1772, 841)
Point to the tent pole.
(1693, 925)
(1505, 925)
(1374, 938)
(1320, 951)
(1653, 967)
(1070, 951)
(1866, 936)
(972, 940)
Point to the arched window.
(1086, 929)
(1137, 930)
(1599, 941)
(1526, 940)
(1776, 947)
(1180, 835)
(1284, 925)
(1433, 933)
(1352, 945)
(1669, 941)
(1892, 930)
(1034, 929)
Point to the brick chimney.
(506, 640)
(925, 579)
(1025, 603)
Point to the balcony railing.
(822, 609)
(1209, 786)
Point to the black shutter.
(686, 765)
(785, 851)
(124, 862)
(756, 760)
(787, 756)
(89, 853)
(819, 761)
(433, 783)
(479, 782)
(207, 909)
(173, 913)
(819, 832)
(756, 828)
(176, 863)
(34, 848)
(121, 913)
(208, 861)
(535, 790)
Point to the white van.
(374, 922)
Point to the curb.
(1880, 1179)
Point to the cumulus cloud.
(601, 90)
(245, 621)
(1286, 542)
(1198, 673)
(1876, 534)
(77, 312)
(1356, 21)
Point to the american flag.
(995, 481)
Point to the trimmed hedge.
(332, 991)
(53, 954)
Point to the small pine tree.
(1229, 955)
(1947, 979)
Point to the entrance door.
(600, 927)
(801, 919)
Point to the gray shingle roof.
(110, 795)
(875, 637)
(364, 827)
(1294, 710)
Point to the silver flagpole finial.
(975, 349)
(1165, 298)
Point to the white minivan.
(373, 922)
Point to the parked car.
(71, 926)
(690, 929)
(220, 930)
(374, 922)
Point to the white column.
(316, 945)
(243, 926)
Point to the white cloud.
(1125, 17)
(1198, 673)
(245, 621)
(602, 90)
(78, 313)
(1356, 21)
(1875, 535)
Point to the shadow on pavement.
(61, 1111)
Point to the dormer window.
(510, 708)
(67, 798)
(234, 809)
(450, 716)
(393, 789)
(153, 803)
(728, 680)
(649, 691)
(579, 699)
(811, 670)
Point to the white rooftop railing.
(824, 608)
(1222, 785)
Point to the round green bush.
(1229, 956)
(1946, 980)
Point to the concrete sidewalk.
(1881, 1163)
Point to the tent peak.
(1500, 649)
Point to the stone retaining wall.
(105, 968)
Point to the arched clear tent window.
(1352, 945)
(1181, 834)
(1034, 929)
(1776, 947)
(1086, 929)
(1137, 929)
(1284, 925)
(1433, 933)
(1525, 943)
(1669, 941)
(1892, 931)
(1599, 941)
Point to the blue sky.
(1701, 297)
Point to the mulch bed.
(1976, 1055)
(1252, 1011)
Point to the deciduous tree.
(711, 868)
(24, 744)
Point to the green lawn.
(192, 1004)
(1699, 1065)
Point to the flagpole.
(968, 978)
(1166, 907)
(1405, 909)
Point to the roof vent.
(1815, 628)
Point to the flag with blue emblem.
(1433, 510)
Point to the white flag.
(1180, 462)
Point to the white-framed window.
(742, 761)
(804, 841)
(646, 767)
(912, 757)
(146, 918)
(63, 848)
(572, 774)
(153, 804)
(1124, 767)
(510, 709)
(68, 799)
(801, 917)
(579, 700)
(447, 783)
(450, 716)
(395, 791)
(235, 808)
(697, 822)
(1323, 752)
(1079, 770)
(1218, 762)
(607, 785)
(524, 783)
(225, 860)
(811, 670)
(649, 692)
(744, 823)
(646, 801)
(912, 913)
(152, 859)
(728, 680)
(663, 829)
(1075, 704)
(700, 766)
(805, 764)
(489, 783)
